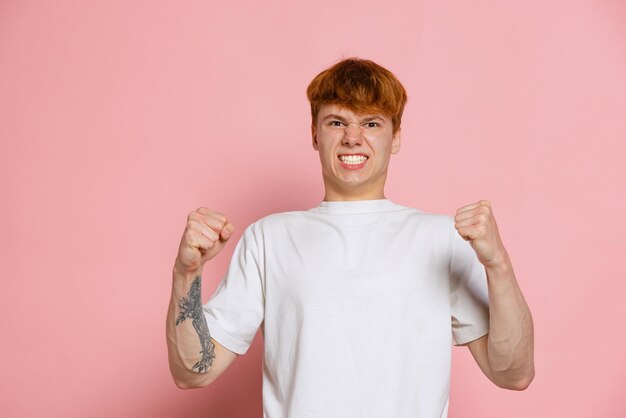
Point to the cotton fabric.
(359, 303)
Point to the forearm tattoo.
(191, 307)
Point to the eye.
(372, 125)
(335, 123)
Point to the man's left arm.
(506, 353)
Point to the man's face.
(354, 151)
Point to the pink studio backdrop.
(120, 117)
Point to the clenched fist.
(475, 223)
(205, 235)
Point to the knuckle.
(189, 237)
(203, 210)
(190, 240)
(219, 216)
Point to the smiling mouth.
(353, 159)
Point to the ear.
(314, 136)
(395, 142)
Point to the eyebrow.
(365, 120)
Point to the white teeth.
(353, 159)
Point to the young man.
(360, 299)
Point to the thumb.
(227, 231)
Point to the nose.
(352, 134)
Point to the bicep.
(223, 359)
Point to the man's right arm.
(195, 358)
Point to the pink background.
(120, 117)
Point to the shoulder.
(434, 220)
(407, 215)
(277, 221)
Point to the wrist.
(181, 273)
(499, 265)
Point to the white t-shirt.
(360, 303)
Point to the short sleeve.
(469, 298)
(236, 309)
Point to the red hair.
(361, 86)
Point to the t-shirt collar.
(356, 206)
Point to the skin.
(195, 359)
(378, 143)
(505, 354)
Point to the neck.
(332, 195)
(367, 191)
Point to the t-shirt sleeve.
(469, 298)
(236, 309)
